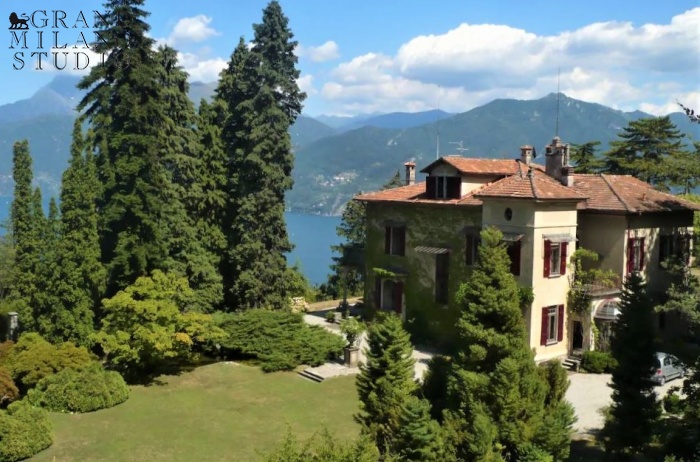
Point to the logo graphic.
(17, 23)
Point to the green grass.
(216, 412)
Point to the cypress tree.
(185, 191)
(635, 410)
(496, 398)
(77, 282)
(386, 382)
(262, 100)
(24, 234)
(123, 105)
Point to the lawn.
(221, 411)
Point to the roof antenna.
(437, 141)
(556, 131)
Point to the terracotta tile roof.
(415, 193)
(536, 186)
(499, 167)
(626, 194)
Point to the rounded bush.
(24, 431)
(673, 403)
(88, 390)
(598, 362)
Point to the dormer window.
(444, 187)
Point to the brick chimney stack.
(410, 173)
(526, 154)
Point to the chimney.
(567, 178)
(555, 155)
(410, 173)
(526, 153)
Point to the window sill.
(551, 342)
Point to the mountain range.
(336, 157)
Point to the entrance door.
(577, 343)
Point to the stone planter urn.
(351, 355)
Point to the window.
(472, 249)
(442, 270)
(508, 215)
(554, 258)
(388, 295)
(513, 250)
(635, 254)
(395, 240)
(444, 187)
(677, 246)
(552, 325)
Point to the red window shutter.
(560, 323)
(387, 240)
(630, 255)
(377, 292)
(454, 187)
(562, 264)
(469, 251)
(547, 256)
(515, 262)
(641, 254)
(398, 296)
(402, 241)
(430, 186)
(545, 326)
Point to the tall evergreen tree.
(185, 189)
(124, 107)
(77, 279)
(635, 410)
(684, 169)
(496, 398)
(644, 149)
(24, 234)
(386, 382)
(584, 157)
(262, 101)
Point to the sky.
(366, 56)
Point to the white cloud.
(305, 83)
(193, 29)
(326, 52)
(200, 68)
(612, 63)
(690, 100)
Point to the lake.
(312, 236)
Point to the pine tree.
(635, 410)
(419, 437)
(262, 100)
(584, 157)
(386, 382)
(496, 398)
(124, 108)
(24, 234)
(644, 150)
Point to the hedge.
(8, 389)
(598, 362)
(33, 358)
(88, 390)
(281, 340)
(24, 431)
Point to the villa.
(422, 240)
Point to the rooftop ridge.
(617, 195)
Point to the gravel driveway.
(590, 392)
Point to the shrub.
(330, 316)
(352, 329)
(24, 431)
(5, 350)
(8, 389)
(598, 362)
(33, 358)
(280, 339)
(88, 390)
(673, 403)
